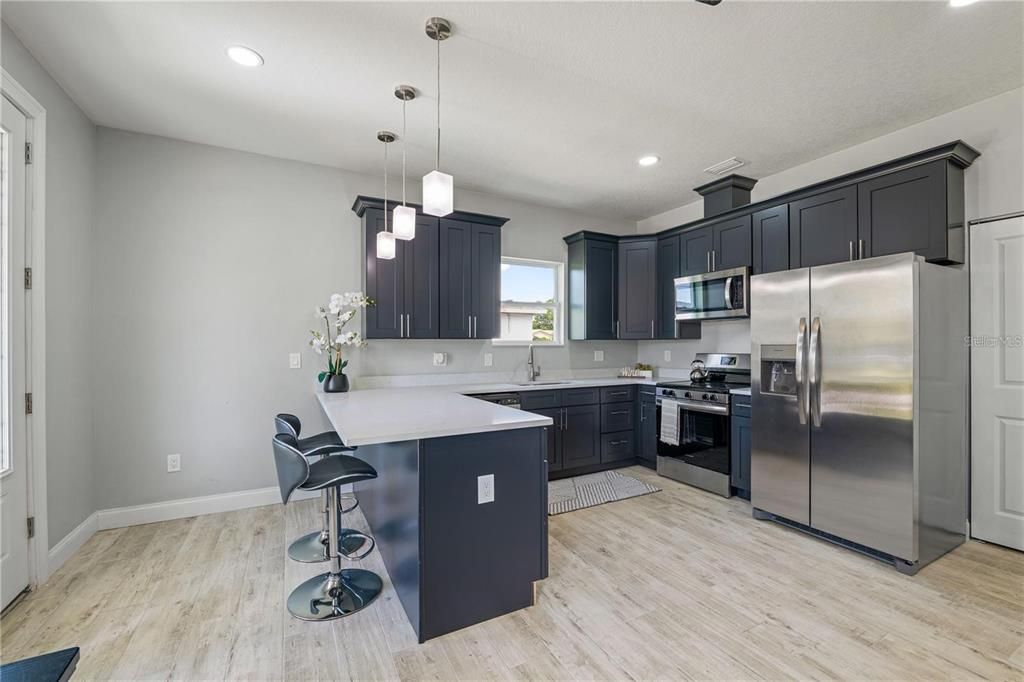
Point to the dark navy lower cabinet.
(739, 446)
(554, 436)
(581, 434)
(647, 438)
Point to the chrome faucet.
(532, 370)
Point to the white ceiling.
(549, 102)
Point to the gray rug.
(580, 492)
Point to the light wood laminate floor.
(675, 585)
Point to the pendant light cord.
(404, 102)
(437, 157)
(385, 186)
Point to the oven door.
(703, 436)
(713, 295)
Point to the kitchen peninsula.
(459, 507)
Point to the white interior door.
(997, 382)
(14, 550)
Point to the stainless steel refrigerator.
(859, 399)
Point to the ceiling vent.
(723, 167)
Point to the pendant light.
(385, 239)
(403, 218)
(438, 187)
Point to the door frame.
(35, 323)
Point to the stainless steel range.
(693, 421)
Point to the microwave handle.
(728, 293)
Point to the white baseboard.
(120, 517)
(72, 542)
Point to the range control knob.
(712, 397)
(686, 395)
(706, 397)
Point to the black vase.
(336, 383)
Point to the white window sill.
(524, 344)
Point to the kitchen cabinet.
(554, 433)
(647, 436)
(581, 436)
(470, 287)
(637, 273)
(616, 447)
(823, 228)
(918, 209)
(669, 262)
(592, 286)
(770, 240)
(695, 249)
(731, 243)
(739, 446)
(405, 288)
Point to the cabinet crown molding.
(364, 202)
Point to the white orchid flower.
(320, 313)
(337, 304)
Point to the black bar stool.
(312, 548)
(340, 592)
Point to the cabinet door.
(637, 288)
(384, 284)
(905, 211)
(581, 439)
(739, 454)
(771, 240)
(456, 271)
(669, 254)
(486, 280)
(731, 243)
(824, 228)
(601, 289)
(696, 251)
(554, 438)
(648, 438)
(420, 258)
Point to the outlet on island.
(485, 489)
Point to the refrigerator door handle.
(814, 367)
(801, 359)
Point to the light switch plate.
(173, 463)
(485, 489)
(294, 361)
(668, 356)
(488, 359)
(598, 356)
(440, 359)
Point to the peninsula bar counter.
(453, 560)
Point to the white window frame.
(559, 312)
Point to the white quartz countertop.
(740, 391)
(541, 385)
(391, 415)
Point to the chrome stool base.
(329, 595)
(312, 548)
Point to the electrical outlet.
(488, 359)
(294, 361)
(485, 489)
(440, 359)
(668, 356)
(173, 463)
(598, 356)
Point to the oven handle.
(695, 406)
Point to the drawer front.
(618, 394)
(741, 405)
(617, 417)
(644, 389)
(580, 396)
(540, 400)
(616, 446)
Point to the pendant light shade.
(403, 218)
(438, 187)
(385, 239)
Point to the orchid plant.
(339, 312)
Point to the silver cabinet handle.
(851, 250)
(563, 418)
(801, 353)
(476, 327)
(652, 329)
(616, 329)
(860, 249)
(709, 260)
(618, 442)
(728, 293)
(714, 260)
(619, 412)
(814, 370)
(401, 326)
(408, 326)
(469, 326)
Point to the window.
(531, 302)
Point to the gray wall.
(70, 192)
(209, 264)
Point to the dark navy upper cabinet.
(730, 243)
(592, 285)
(637, 288)
(824, 228)
(669, 262)
(914, 210)
(443, 283)
(696, 246)
(470, 263)
(771, 240)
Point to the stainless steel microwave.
(711, 295)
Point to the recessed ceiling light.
(961, 3)
(245, 56)
(648, 160)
